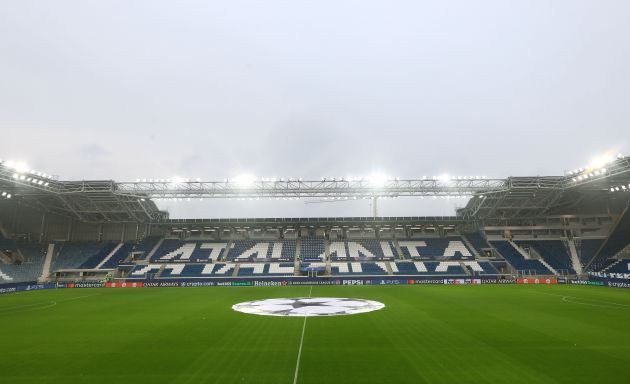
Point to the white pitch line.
(297, 365)
(567, 299)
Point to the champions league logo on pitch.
(308, 306)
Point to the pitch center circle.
(308, 306)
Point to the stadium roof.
(528, 196)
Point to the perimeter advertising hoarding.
(124, 284)
(293, 281)
(28, 286)
(535, 280)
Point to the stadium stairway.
(47, 262)
(465, 268)
(472, 249)
(520, 250)
(298, 248)
(155, 248)
(109, 256)
(223, 257)
(535, 253)
(159, 272)
(549, 267)
(575, 260)
(296, 267)
(237, 266)
(398, 250)
(328, 270)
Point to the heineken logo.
(308, 306)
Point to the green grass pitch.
(425, 334)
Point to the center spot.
(308, 306)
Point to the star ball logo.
(308, 306)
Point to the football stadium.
(306, 192)
(523, 284)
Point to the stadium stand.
(118, 257)
(147, 244)
(488, 268)
(450, 268)
(254, 250)
(95, 259)
(369, 249)
(72, 255)
(173, 250)
(586, 248)
(313, 249)
(266, 269)
(249, 250)
(617, 241)
(619, 266)
(478, 241)
(358, 268)
(452, 248)
(554, 252)
(517, 260)
(170, 270)
(28, 269)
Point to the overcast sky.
(138, 89)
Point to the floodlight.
(244, 180)
(377, 179)
(443, 177)
(612, 189)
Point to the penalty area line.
(299, 355)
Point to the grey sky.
(128, 89)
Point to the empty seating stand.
(73, 255)
(516, 259)
(357, 250)
(428, 268)
(177, 251)
(30, 269)
(586, 248)
(313, 249)
(256, 250)
(478, 241)
(620, 266)
(376, 268)
(449, 248)
(95, 259)
(554, 252)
